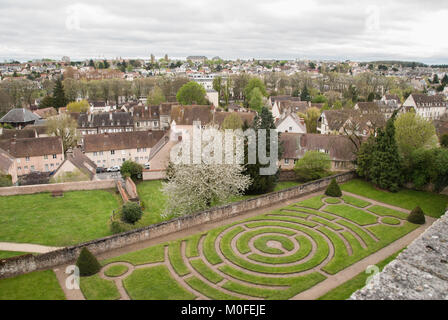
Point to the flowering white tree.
(195, 187)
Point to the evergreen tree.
(87, 263)
(261, 183)
(379, 160)
(59, 98)
(305, 95)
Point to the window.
(55, 156)
(45, 157)
(136, 159)
(112, 152)
(286, 161)
(144, 149)
(46, 167)
(290, 128)
(123, 152)
(95, 154)
(26, 167)
(19, 168)
(18, 160)
(27, 159)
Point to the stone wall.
(419, 273)
(15, 266)
(67, 186)
(131, 189)
(154, 175)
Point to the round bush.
(417, 216)
(87, 263)
(333, 189)
(131, 212)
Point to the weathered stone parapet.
(419, 273)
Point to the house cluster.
(146, 134)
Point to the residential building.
(246, 117)
(282, 107)
(428, 107)
(112, 149)
(337, 122)
(340, 149)
(105, 122)
(76, 161)
(19, 118)
(146, 117)
(291, 122)
(35, 154)
(8, 166)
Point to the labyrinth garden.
(276, 255)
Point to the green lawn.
(96, 288)
(76, 217)
(9, 254)
(345, 290)
(151, 194)
(39, 285)
(433, 204)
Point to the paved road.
(26, 247)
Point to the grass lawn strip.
(356, 215)
(345, 290)
(332, 200)
(304, 251)
(332, 225)
(176, 260)
(148, 255)
(391, 221)
(205, 271)
(208, 291)
(155, 283)
(383, 211)
(249, 291)
(192, 249)
(261, 243)
(355, 201)
(433, 204)
(320, 255)
(10, 254)
(242, 243)
(313, 203)
(116, 271)
(38, 285)
(96, 288)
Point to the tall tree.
(305, 95)
(156, 96)
(379, 161)
(261, 183)
(64, 126)
(59, 98)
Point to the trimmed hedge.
(87, 263)
(131, 212)
(417, 216)
(333, 189)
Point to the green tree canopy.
(256, 99)
(314, 165)
(59, 98)
(252, 84)
(156, 97)
(191, 93)
(232, 121)
(414, 132)
(81, 106)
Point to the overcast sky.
(316, 29)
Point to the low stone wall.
(122, 192)
(67, 186)
(131, 189)
(154, 175)
(15, 266)
(419, 273)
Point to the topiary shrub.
(131, 212)
(333, 189)
(417, 216)
(87, 263)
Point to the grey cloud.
(261, 29)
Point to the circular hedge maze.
(276, 255)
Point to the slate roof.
(110, 119)
(32, 147)
(289, 106)
(121, 140)
(21, 115)
(295, 145)
(146, 112)
(422, 100)
(186, 115)
(82, 162)
(219, 117)
(18, 134)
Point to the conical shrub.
(333, 189)
(417, 216)
(87, 263)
